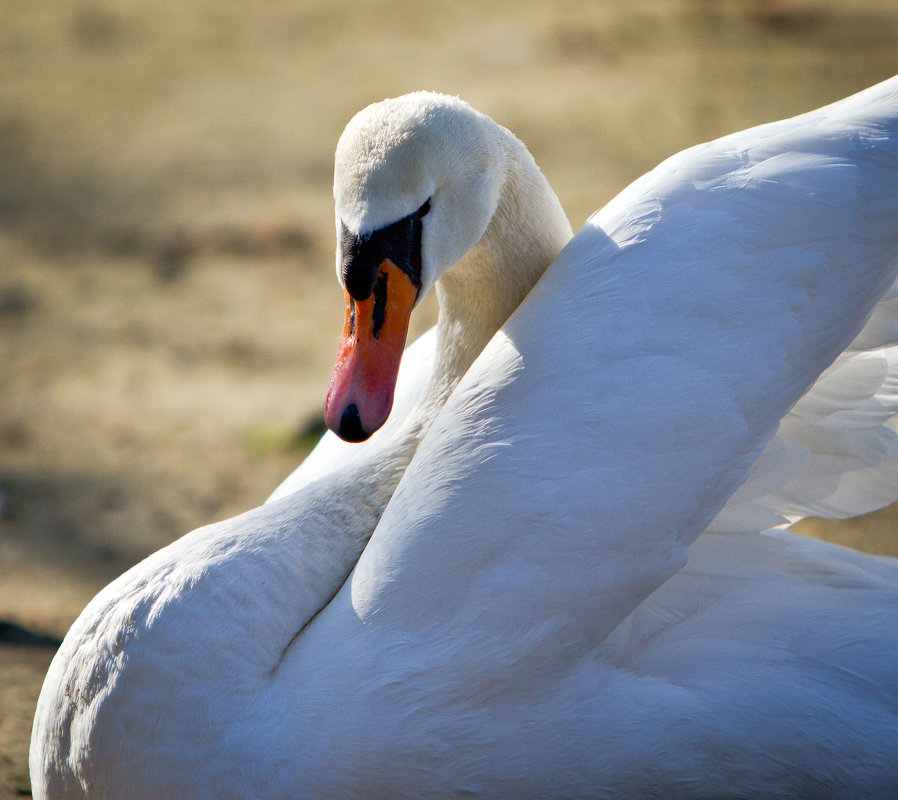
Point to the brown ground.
(167, 306)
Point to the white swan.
(524, 622)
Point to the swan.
(561, 567)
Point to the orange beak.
(360, 394)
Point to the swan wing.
(835, 454)
(627, 398)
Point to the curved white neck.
(479, 293)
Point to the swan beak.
(360, 394)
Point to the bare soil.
(168, 309)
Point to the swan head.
(416, 182)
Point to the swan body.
(565, 577)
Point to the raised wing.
(608, 422)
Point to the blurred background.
(168, 307)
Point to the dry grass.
(167, 307)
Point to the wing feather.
(629, 396)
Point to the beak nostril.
(378, 314)
(351, 429)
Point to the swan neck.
(480, 292)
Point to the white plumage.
(572, 591)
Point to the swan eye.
(424, 210)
